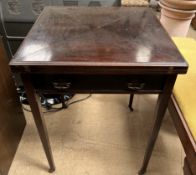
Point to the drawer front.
(99, 83)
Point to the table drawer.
(99, 83)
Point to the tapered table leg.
(160, 110)
(39, 120)
(131, 102)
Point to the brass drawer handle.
(136, 86)
(62, 86)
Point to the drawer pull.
(62, 86)
(136, 86)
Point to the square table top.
(99, 37)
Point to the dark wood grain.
(99, 83)
(98, 50)
(103, 38)
(39, 120)
(160, 109)
(131, 101)
(12, 121)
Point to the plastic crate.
(85, 2)
(23, 10)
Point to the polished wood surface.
(160, 109)
(116, 38)
(98, 83)
(39, 120)
(12, 121)
(98, 50)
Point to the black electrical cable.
(80, 100)
(51, 110)
(58, 109)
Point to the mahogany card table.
(116, 50)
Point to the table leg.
(186, 168)
(160, 110)
(39, 120)
(131, 102)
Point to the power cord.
(52, 109)
(80, 100)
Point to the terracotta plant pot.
(180, 4)
(176, 22)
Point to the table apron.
(51, 83)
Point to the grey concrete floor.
(100, 136)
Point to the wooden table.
(98, 50)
